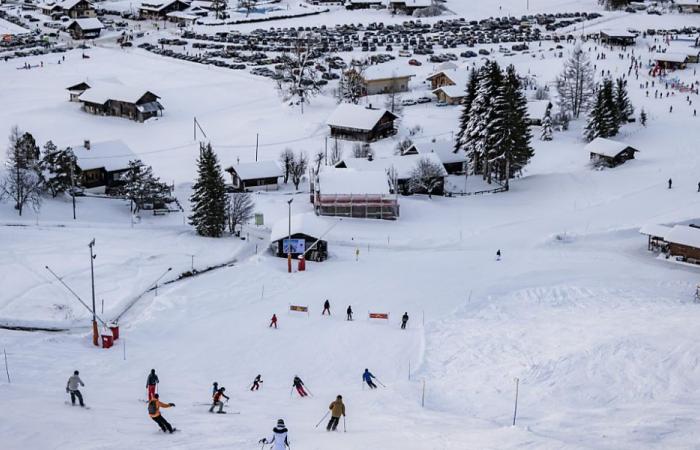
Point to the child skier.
(367, 378)
(297, 383)
(404, 320)
(279, 437)
(349, 310)
(154, 406)
(256, 383)
(326, 307)
(72, 388)
(273, 321)
(151, 383)
(337, 409)
(217, 401)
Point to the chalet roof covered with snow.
(333, 181)
(386, 72)
(452, 90)
(112, 155)
(412, 3)
(458, 76)
(444, 149)
(670, 57)
(102, 93)
(607, 147)
(257, 170)
(655, 230)
(308, 223)
(403, 165)
(158, 6)
(89, 23)
(618, 33)
(684, 235)
(356, 117)
(9, 28)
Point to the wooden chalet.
(75, 9)
(382, 79)
(88, 28)
(76, 90)
(617, 37)
(102, 163)
(683, 243)
(451, 94)
(454, 163)
(655, 236)
(121, 101)
(255, 176)
(609, 153)
(448, 77)
(306, 235)
(364, 4)
(671, 61)
(357, 123)
(408, 6)
(159, 10)
(688, 6)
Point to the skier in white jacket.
(279, 437)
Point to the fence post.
(409, 370)
(422, 399)
(515, 410)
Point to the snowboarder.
(154, 406)
(273, 321)
(326, 307)
(349, 310)
(670, 183)
(151, 383)
(256, 383)
(74, 382)
(367, 378)
(498, 255)
(279, 437)
(217, 401)
(297, 383)
(404, 320)
(337, 409)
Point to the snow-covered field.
(599, 332)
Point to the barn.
(358, 123)
(75, 90)
(255, 176)
(608, 153)
(306, 232)
(102, 163)
(121, 101)
(87, 28)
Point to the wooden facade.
(160, 11)
(382, 129)
(76, 90)
(613, 161)
(144, 108)
(78, 31)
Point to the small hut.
(609, 153)
(302, 236)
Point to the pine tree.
(622, 102)
(643, 118)
(60, 171)
(547, 134)
(141, 186)
(208, 195)
(472, 86)
(603, 118)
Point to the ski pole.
(322, 419)
(291, 391)
(345, 429)
(383, 385)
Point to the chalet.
(451, 94)
(671, 61)
(609, 153)
(408, 6)
(75, 9)
(617, 37)
(160, 9)
(399, 167)
(88, 28)
(258, 176)
(364, 4)
(448, 77)
(683, 242)
(444, 149)
(357, 123)
(189, 17)
(305, 231)
(381, 79)
(352, 193)
(655, 235)
(76, 90)
(688, 6)
(536, 110)
(102, 163)
(121, 101)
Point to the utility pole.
(257, 140)
(72, 182)
(92, 278)
(289, 238)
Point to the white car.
(408, 102)
(441, 103)
(405, 53)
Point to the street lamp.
(289, 238)
(95, 334)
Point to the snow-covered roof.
(69, 4)
(102, 93)
(618, 33)
(655, 230)
(403, 165)
(186, 15)
(413, 3)
(684, 235)
(9, 28)
(447, 65)
(90, 23)
(670, 57)
(458, 76)
(444, 149)
(537, 109)
(452, 90)
(352, 182)
(158, 6)
(307, 223)
(256, 170)
(606, 147)
(112, 155)
(356, 117)
(385, 72)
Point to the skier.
(297, 383)
(326, 307)
(151, 383)
(279, 437)
(217, 401)
(215, 387)
(154, 406)
(273, 321)
(498, 255)
(72, 388)
(337, 409)
(404, 320)
(670, 183)
(256, 383)
(367, 378)
(349, 311)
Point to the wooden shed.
(255, 176)
(358, 123)
(102, 163)
(655, 236)
(453, 162)
(88, 28)
(617, 37)
(306, 234)
(609, 153)
(121, 101)
(683, 242)
(76, 90)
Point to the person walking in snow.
(337, 409)
(154, 406)
(273, 321)
(670, 183)
(498, 255)
(349, 310)
(217, 400)
(256, 383)
(299, 385)
(279, 438)
(404, 320)
(74, 382)
(151, 383)
(367, 378)
(326, 307)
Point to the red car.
(414, 62)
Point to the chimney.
(86, 144)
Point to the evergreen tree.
(208, 195)
(141, 186)
(643, 118)
(472, 86)
(622, 101)
(547, 134)
(60, 171)
(603, 118)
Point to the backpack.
(152, 407)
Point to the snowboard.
(77, 405)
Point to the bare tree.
(287, 158)
(298, 168)
(427, 177)
(336, 153)
(403, 145)
(299, 80)
(22, 181)
(239, 209)
(319, 157)
(393, 98)
(351, 86)
(362, 150)
(248, 5)
(576, 84)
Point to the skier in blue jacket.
(367, 378)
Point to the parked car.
(408, 102)
(423, 100)
(441, 103)
(414, 62)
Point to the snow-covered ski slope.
(601, 334)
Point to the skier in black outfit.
(670, 183)
(214, 388)
(326, 307)
(404, 320)
(349, 311)
(256, 383)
